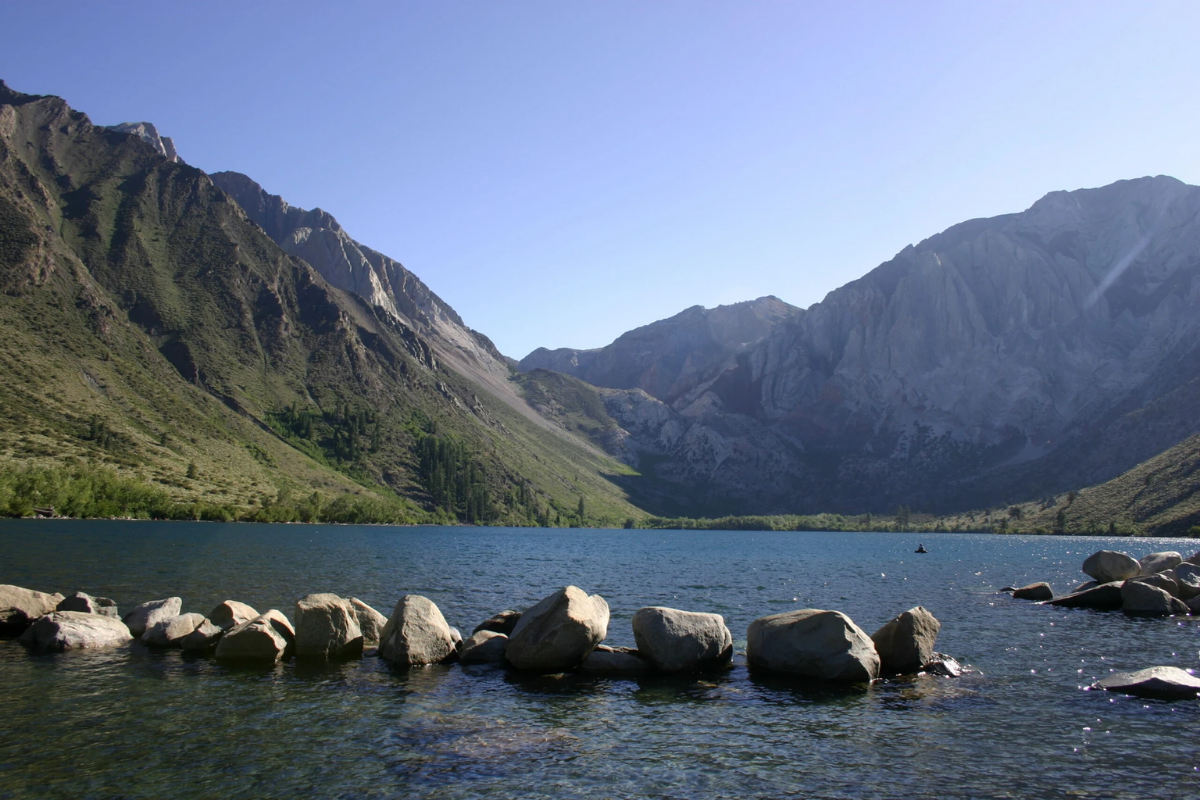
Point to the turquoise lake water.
(139, 723)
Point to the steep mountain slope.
(1001, 359)
(149, 324)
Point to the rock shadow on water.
(775, 689)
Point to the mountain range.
(203, 335)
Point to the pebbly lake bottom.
(133, 722)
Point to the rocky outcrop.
(681, 641)
(1104, 597)
(19, 607)
(230, 614)
(1034, 591)
(905, 644)
(327, 627)
(483, 647)
(811, 643)
(558, 632)
(149, 134)
(1159, 562)
(416, 634)
(615, 661)
(85, 603)
(171, 632)
(504, 622)
(1167, 683)
(1140, 598)
(370, 622)
(75, 630)
(148, 614)
(1160, 580)
(1107, 566)
(266, 638)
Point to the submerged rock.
(230, 614)
(85, 603)
(370, 621)
(558, 632)
(416, 634)
(1105, 597)
(171, 632)
(1139, 597)
(812, 643)
(504, 622)
(681, 641)
(1034, 591)
(267, 637)
(1107, 566)
(19, 607)
(327, 627)
(944, 665)
(484, 647)
(147, 614)
(1170, 683)
(75, 630)
(1159, 562)
(614, 661)
(906, 643)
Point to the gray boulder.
(230, 614)
(906, 643)
(1139, 597)
(1159, 562)
(171, 632)
(484, 647)
(614, 661)
(147, 614)
(558, 633)
(75, 630)
(1159, 580)
(1168, 683)
(812, 643)
(504, 622)
(681, 641)
(944, 665)
(86, 604)
(1107, 566)
(205, 637)
(1187, 577)
(327, 627)
(1034, 591)
(370, 621)
(19, 607)
(416, 634)
(1105, 597)
(267, 637)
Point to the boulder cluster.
(1160, 584)
(562, 632)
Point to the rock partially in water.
(75, 630)
(484, 647)
(267, 637)
(230, 614)
(85, 603)
(1159, 562)
(1168, 683)
(19, 607)
(1159, 580)
(558, 633)
(1107, 566)
(1104, 597)
(1083, 587)
(504, 622)
(944, 665)
(416, 634)
(171, 632)
(370, 622)
(1034, 591)
(906, 643)
(614, 661)
(1140, 598)
(205, 637)
(1187, 577)
(327, 627)
(811, 643)
(147, 614)
(681, 641)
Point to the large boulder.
(1105, 597)
(205, 637)
(19, 607)
(230, 614)
(504, 622)
(559, 632)
(1160, 580)
(75, 630)
(483, 647)
(1159, 562)
(370, 621)
(171, 632)
(327, 627)
(1187, 577)
(1034, 591)
(86, 604)
(614, 661)
(416, 634)
(1107, 566)
(1168, 683)
(906, 643)
(147, 614)
(267, 637)
(1139, 597)
(681, 641)
(812, 643)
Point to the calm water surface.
(138, 723)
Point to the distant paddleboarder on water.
(921, 549)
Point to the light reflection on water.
(136, 723)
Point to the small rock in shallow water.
(147, 614)
(614, 661)
(327, 627)
(1105, 597)
(416, 634)
(1034, 591)
(171, 632)
(84, 602)
(230, 614)
(206, 636)
(370, 621)
(267, 637)
(484, 647)
(812, 643)
(1170, 683)
(559, 632)
(681, 641)
(944, 665)
(19, 607)
(907, 642)
(75, 630)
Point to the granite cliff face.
(1002, 358)
(149, 134)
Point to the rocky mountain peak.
(149, 134)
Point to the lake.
(138, 723)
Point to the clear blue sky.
(561, 172)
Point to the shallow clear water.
(140, 723)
